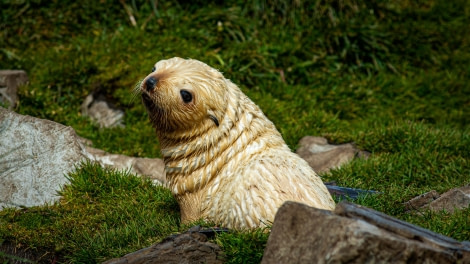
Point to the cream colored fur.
(236, 174)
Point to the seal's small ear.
(213, 118)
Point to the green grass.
(102, 213)
(393, 77)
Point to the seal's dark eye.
(186, 96)
(153, 69)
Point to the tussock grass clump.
(243, 247)
(102, 214)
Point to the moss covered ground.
(391, 76)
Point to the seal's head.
(183, 95)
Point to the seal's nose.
(150, 84)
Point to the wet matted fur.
(225, 161)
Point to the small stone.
(10, 80)
(322, 156)
(421, 201)
(100, 109)
(457, 198)
(154, 169)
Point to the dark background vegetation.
(391, 76)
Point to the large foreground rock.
(354, 234)
(35, 156)
(189, 247)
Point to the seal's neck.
(193, 159)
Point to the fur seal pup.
(225, 161)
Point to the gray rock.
(354, 234)
(154, 169)
(457, 198)
(322, 156)
(421, 200)
(10, 80)
(189, 247)
(35, 156)
(102, 111)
